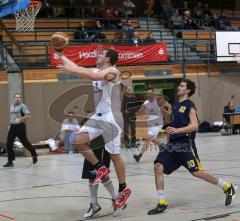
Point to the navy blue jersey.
(180, 118)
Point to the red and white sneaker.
(122, 198)
(100, 174)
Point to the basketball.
(59, 40)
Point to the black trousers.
(130, 121)
(18, 130)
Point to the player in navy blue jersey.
(181, 149)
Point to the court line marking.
(7, 217)
(216, 216)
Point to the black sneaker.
(137, 158)
(8, 164)
(92, 211)
(162, 205)
(230, 194)
(35, 160)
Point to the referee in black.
(19, 113)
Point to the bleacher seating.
(53, 23)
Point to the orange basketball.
(59, 40)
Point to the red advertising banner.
(86, 55)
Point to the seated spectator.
(123, 39)
(176, 21)
(136, 40)
(198, 20)
(167, 9)
(128, 29)
(71, 9)
(108, 15)
(98, 34)
(116, 22)
(214, 20)
(187, 20)
(149, 39)
(81, 33)
(224, 23)
(88, 11)
(129, 10)
(101, 8)
(207, 21)
(69, 126)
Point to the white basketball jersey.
(106, 95)
(154, 114)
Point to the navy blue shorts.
(175, 155)
(97, 145)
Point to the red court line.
(7, 217)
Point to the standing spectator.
(19, 114)
(130, 8)
(129, 109)
(149, 39)
(136, 40)
(128, 29)
(69, 126)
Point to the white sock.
(93, 190)
(221, 183)
(160, 194)
(110, 188)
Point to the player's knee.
(158, 168)
(115, 157)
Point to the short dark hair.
(190, 86)
(150, 88)
(71, 112)
(113, 55)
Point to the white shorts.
(153, 131)
(107, 126)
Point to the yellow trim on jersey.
(200, 167)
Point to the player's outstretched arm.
(69, 66)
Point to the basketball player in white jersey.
(107, 121)
(153, 109)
